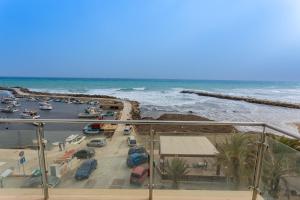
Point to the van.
(138, 175)
(137, 159)
(131, 141)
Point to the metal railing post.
(258, 164)
(151, 163)
(42, 160)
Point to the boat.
(32, 99)
(8, 100)
(9, 109)
(78, 139)
(46, 107)
(15, 104)
(70, 138)
(90, 112)
(42, 103)
(27, 114)
(55, 143)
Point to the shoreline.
(136, 112)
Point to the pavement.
(112, 171)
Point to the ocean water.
(160, 96)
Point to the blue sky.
(229, 39)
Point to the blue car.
(85, 169)
(137, 159)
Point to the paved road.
(112, 171)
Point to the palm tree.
(237, 157)
(176, 169)
(279, 160)
(293, 143)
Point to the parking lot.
(112, 171)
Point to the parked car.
(136, 149)
(137, 159)
(127, 130)
(85, 169)
(98, 142)
(138, 175)
(131, 141)
(109, 114)
(85, 153)
(93, 129)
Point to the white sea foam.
(156, 102)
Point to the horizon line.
(127, 78)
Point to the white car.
(127, 130)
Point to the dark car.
(85, 169)
(85, 153)
(137, 159)
(133, 150)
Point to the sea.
(158, 96)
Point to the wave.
(156, 102)
(132, 89)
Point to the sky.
(186, 39)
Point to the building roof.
(187, 146)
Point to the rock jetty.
(246, 99)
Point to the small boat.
(29, 115)
(91, 112)
(8, 100)
(9, 109)
(42, 103)
(93, 102)
(15, 104)
(70, 138)
(78, 101)
(32, 99)
(55, 143)
(46, 107)
(78, 139)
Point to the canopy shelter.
(186, 146)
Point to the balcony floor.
(117, 194)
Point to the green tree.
(293, 143)
(237, 157)
(176, 169)
(279, 160)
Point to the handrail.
(151, 122)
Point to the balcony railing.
(256, 160)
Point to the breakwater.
(246, 99)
